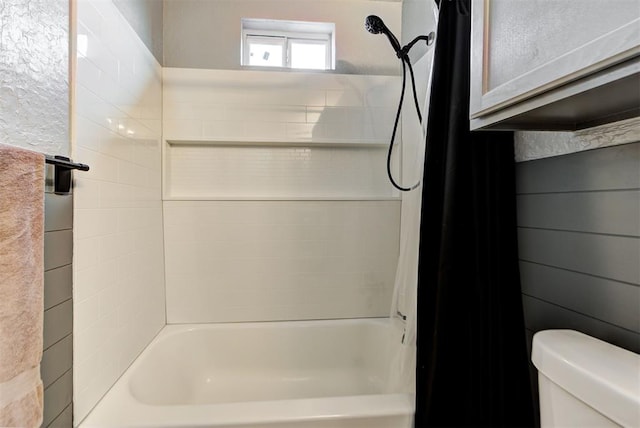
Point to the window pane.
(308, 55)
(265, 54)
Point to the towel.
(21, 286)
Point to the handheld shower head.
(375, 25)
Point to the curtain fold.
(472, 362)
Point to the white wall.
(34, 73)
(206, 34)
(118, 258)
(418, 19)
(145, 16)
(320, 238)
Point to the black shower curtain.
(472, 362)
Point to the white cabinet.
(554, 64)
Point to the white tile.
(116, 146)
(300, 131)
(88, 282)
(85, 311)
(267, 113)
(94, 222)
(349, 97)
(220, 130)
(113, 246)
(89, 134)
(182, 129)
(119, 82)
(84, 254)
(285, 259)
(197, 111)
(115, 195)
(88, 74)
(104, 168)
(264, 131)
(86, 192)
(131, 174)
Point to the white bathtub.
(316, 374)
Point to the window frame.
(265, 40)
(272, 30)
(309, 41)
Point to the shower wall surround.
(321, 239)
(278, 106)
(118, 258)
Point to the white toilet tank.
(585, 382)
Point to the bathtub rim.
(118, 407)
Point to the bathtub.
(315, 374)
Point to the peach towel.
(21, 286)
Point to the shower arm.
(404, 51)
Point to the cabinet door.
(521, 48)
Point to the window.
(288, 44)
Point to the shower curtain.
(472, 363)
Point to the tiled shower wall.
(279, 260)
(278, 106)
(118, 264)
(277, 205)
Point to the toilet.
(585, 382)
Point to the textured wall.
(206, 34)
(34, 64)
(118, 260)
(532, 145)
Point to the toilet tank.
(585, 382)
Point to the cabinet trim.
(524, 109)
(479, 67)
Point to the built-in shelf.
(274, 170)
(601, 98)
(277, 143)
(284, 198)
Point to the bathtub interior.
(213, 364)
(289, 374)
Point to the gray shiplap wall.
(579, 244)
(57, 358)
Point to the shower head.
(375, 25)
